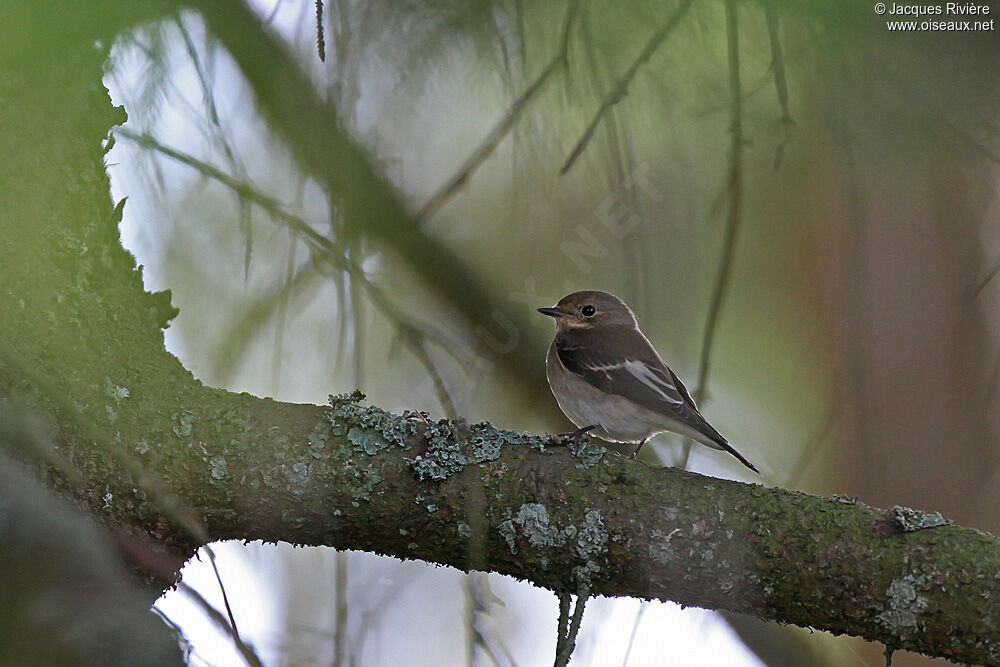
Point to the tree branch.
(489, 144)
(341, 476)
(620, 88)
(734, 187)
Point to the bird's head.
(589, 309)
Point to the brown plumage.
(605, 373)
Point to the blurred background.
(798, 204)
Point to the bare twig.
(977, 146)
(621, 155)
(620, 89)
(340, 620)
(568, 630)
(503, 126)
(812, 447)
(419, 349)
(635, 630)
(477, 605)
(217, 135)
(735, 190)
(234, 631)
(780, 82)
(978, 288)
(314, 130)
(246, 651)
(320, 41)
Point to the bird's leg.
(636, 452)
(575, 436)
(580, 432)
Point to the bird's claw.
(635, 453)
(575, 437)
(580, 432)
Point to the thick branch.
(358, 478)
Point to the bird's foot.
(635, 452)
(575, 437)
(580, 432)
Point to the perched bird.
(607, 377)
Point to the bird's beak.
(552, 312)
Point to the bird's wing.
(644, 381)
(638, 374)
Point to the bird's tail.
(715, 440)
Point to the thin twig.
(780, 82)
(340, 621)
(282, 318)
(735, 189)
(562, 624)
(635, 631)
(234, 631)
(320, 41)
(984, 283)
(567, 643)
(477, 605)
(620, 152)
(812, 447)
(984, 151)
(419, 350)
(218, 136)
(977, 146)
(503, 126)
(216, 617)
(620, 89)
(273, 12)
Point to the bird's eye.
(588, 311)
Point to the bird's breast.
(617, 418)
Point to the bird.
(608, 378)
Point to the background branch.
(620, 89)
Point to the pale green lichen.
(115, 391)
(532, 520)
(218, 467)
(904, 604)
(318, 438)
(592, 538)
(660, 549)
(446, 447)
(533, 525)
(183, 422)
(443, 457)
(588, 453)
(367, 440)
(451, 446)
(297, 474)
(912, 520)
(369, 429)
